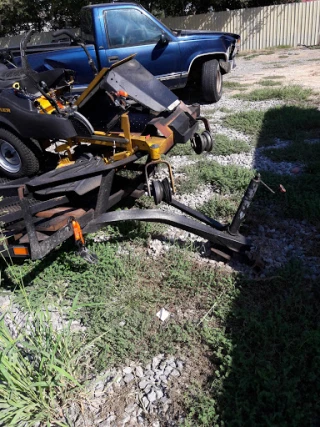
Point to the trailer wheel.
(18, 158)
(211, 81)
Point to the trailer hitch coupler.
(233, 228)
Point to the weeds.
(119, 297)
(234, 85)
(267, 332)
(302, 198)
(181, 150)
(296, 151)
(269, 83)
(288, 93)
(287, 123)
(219, 207)
(225, 146)
(256, 54)
(261, 335)
(40, 370)
(274, 77)
(225, 110)
(227, 179)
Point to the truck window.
(130, 27)
(86, 25)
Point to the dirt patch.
(293, 66)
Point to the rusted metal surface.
(60, 221)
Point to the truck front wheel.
(18, 158)
(211, 81)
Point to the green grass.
(181, 150)
(302, 198)
(234, 85)
(224, 146)
(221, 207)
(293, 93)
(120, 296)
(287, 122)
(283, 46)
(227, 179)
(266, 354)
(257, 334)
(297, 151)
(40, 371)
(269, 83)
(260, 335)
(274, 77)
(225, 110)
(256, 54)
(252, 56)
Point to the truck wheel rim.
(10, 160)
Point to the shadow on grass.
(24, 272)
(267, 355)
(266, 347)
(300, 128)
(288, 122)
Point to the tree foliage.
(17, 16)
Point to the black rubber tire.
(198, 143)
(29, 152)
(157, 192)
(211, 81)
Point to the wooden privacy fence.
(261, 27)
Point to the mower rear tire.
(18, 158)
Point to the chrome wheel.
(10, 160)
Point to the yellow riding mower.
(72, 158)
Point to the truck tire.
(211, 81)
(16, 158)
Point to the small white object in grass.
(163, 314)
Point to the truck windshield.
(130, 27)
(86, 25)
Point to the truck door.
(132, 31)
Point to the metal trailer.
(40, 213)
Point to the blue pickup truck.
(114, 31)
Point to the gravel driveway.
(280, 240)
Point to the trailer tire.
(18, 158)
(211, 81)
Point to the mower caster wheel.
(198, 143)
(209, 140)
(167, 193)
(162, 191)
(157, 190)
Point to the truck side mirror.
(163, 39)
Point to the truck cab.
(113, 31)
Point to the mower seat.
(8, 76)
